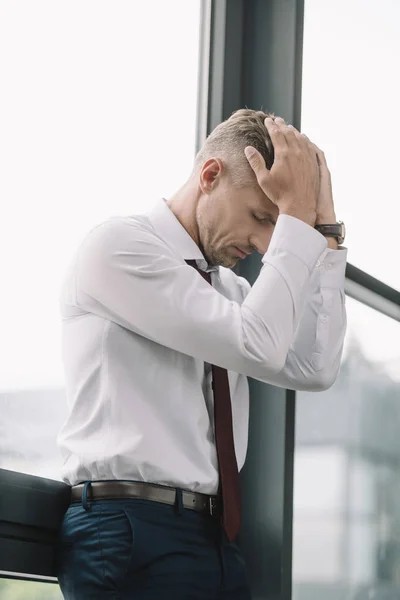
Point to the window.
(27, 590)
(350, 100)
(98, 118)
(346, 540)
(347, 471)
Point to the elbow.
(326, 377)
(325, 373)
(323, 380)
(322, 384)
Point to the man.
(159, 336)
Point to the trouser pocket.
(95, 548)
(116, 542)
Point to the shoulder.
(125, 225)
(125, 233)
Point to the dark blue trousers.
(143, 550)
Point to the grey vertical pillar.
(255, 61)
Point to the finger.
(317, 153)
(296, 132)
(257, 163)
(308, 146)
(290, 134)
(277, 138)
(321, 156)
(314, 152)
(301, 138)
(305, 144)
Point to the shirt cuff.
(299, 239)
(331, 266)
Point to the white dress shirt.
(140, 329)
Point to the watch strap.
(332, 230)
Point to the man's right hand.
(293, 181)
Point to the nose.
(260, 244)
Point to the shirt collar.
(170, 229)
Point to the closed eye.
(265, 219)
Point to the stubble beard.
(213, 257)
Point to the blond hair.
(227, 141)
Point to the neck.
(184, 205)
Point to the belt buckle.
(212, 506)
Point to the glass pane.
(347, 470)
(29, 590)
(350, 109)
(97, 118)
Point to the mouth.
(240, 252)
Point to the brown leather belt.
(108, 490)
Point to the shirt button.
(324, 318)
(318, 263)
(329, 266)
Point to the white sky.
(350, 104)
(98, 117)
(351, 98)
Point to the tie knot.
(206, 276)
(192, 263)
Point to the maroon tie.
(228, 469)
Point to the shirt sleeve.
(127, 274)
(314, 357)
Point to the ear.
(209, 175)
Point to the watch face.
(343, 234)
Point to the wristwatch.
(336, 230)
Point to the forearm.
(314, 357)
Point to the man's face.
(232, 219)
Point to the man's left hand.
(325, 207)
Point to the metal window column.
(254, 60)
